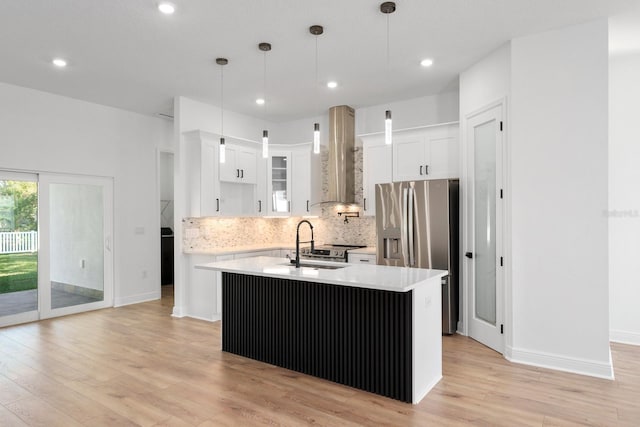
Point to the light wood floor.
(136, 365)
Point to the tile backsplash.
(210, 233)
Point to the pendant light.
(222, 62)
(316, 30)
(265, 47)
(388, 8)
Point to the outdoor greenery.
(19, 205)
(18, 272)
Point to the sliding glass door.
(18, 247)
(55, 245)
(76, 257)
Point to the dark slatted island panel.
(353, 336)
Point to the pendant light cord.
(222, 101)
(264, 83)
(388, 56)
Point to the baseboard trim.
(136, 299)
(177, 311)
(213, 318)
(557, 362)
(420, 394)
(624, 337)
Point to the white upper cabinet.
(279, 183)
(429, 153)
(301, 182)
(240, 165)
(376, 170)
(261, 205)
(289, 182)
(220, 189)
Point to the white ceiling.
(125, 54)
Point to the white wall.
(44, 132)
(483, 84)
(427, 110)
(624, 197)
(559, 175)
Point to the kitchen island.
(376, 328)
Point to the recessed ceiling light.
(426, 62)
(166, 8)
(260, 101)
(332, 85)
(59, 62)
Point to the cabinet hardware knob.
(364, 203)
(217, 205)
(238, 173)
(259, 205)
(241, 173)
(426, 169)
(307, 206)
(420, 169)
(468, 255)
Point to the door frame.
(502, 222)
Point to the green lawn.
(18, 272)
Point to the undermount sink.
(318, 266)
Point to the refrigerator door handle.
(410, 234)
(404, 227)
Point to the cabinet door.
(444, 153)
(247, 163)
(408, 157)
(261, 205)
(229, 169)
(209, 186)
(362, 259)
(279, 183)
(376, 170)
(300, 182)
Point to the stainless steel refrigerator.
(418, 226)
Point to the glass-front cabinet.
(279, 180)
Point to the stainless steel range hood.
(341, 167)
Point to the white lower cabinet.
(361, 259)
(203, 291)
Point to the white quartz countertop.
(397, 279)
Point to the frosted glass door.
(485, 222)
(483, 239)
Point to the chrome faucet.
(298, 241)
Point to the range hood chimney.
(341, 170)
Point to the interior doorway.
(165, 179)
